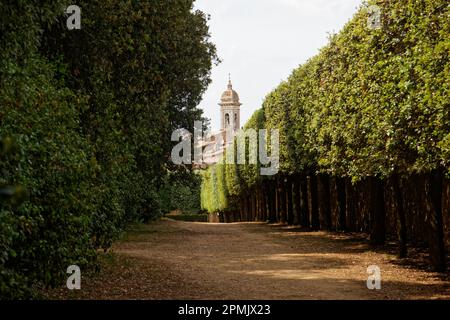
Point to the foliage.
(91, 112)
(373, 102)
(190, 217)
(181, 192)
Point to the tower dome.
(229, 96)
(230, 109)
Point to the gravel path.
(181, 260)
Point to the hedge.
(89, 113)
(361, 125)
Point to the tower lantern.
(230, 109)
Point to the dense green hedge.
(189, 217)
(363, 126)
(373, 102)
(90, 113)
(181, 192)
(223, 184)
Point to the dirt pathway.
(181, 260)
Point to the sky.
(260, 43)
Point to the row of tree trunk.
(413, 210)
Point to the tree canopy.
(91, 112)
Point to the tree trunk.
(435, 223)
(282, 200)
(323, 187)
(253, 217)
(242, 206)
(277, 200)
(242, 201)
(263, 202)
(257, 204)
(240, 209)
(266, 196)
(272, 201)
(446, 212)
(401, 217)
(349, 205)
(377, 212)
(313, 205)
(261, 205)
(341, 198)
(304, 210)
(296, 201)
(248, 208)
(289, 206)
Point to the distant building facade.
(230, 110)
(216, 143)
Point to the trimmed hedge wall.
(85, 123)
(364, 135)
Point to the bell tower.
(230, 108)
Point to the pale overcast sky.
(260, 42)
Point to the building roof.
(229, 97)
